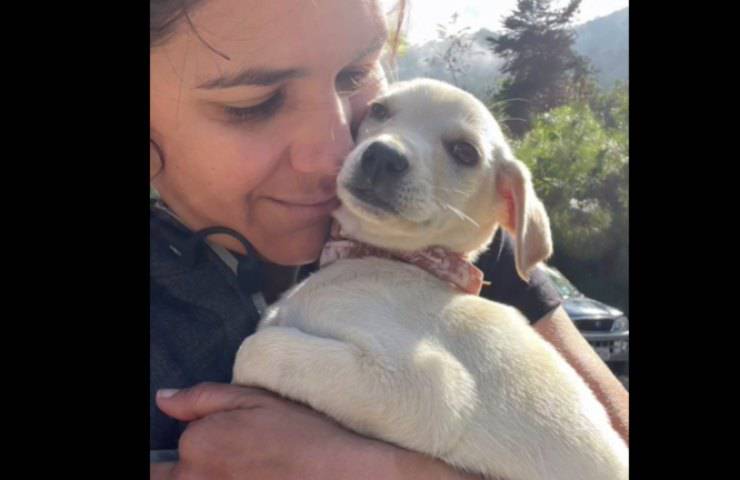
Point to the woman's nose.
(324, 139)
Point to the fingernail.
(166, 392)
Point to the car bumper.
(612, 347)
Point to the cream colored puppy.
(394, 352)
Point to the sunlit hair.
(165, 16)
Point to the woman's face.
(255, 142)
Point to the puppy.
(404, 350)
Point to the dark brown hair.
(164, 16)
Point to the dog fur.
(394, 353)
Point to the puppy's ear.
(523, 215)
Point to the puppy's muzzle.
(381, 169)
(382, 163)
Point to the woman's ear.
(524, 215)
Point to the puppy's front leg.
(324, 373)
(352, 386)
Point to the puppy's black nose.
(381, 163)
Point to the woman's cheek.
(257, 159)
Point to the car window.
(563, 286)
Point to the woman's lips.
(308, 208)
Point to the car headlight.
(621, 324)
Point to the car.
(606, 328)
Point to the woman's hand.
(239, 432)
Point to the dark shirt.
(534, 298)
(198, 317)
(199, 314)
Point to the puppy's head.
(432, 168)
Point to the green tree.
(612, 107)
(543, 71)
(580, 166)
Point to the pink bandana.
(446, 265)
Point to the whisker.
(436, 187)
(457, 212)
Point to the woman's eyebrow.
(253, 76)
(265, 77)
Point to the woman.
(252, 110)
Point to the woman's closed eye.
(347, 82)
(255, 113)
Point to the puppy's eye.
(378, 111)
(464, 153)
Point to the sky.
(426, 14)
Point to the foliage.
(458, 51)
(543, 71)
(579, 158)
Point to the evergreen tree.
(543, 71)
